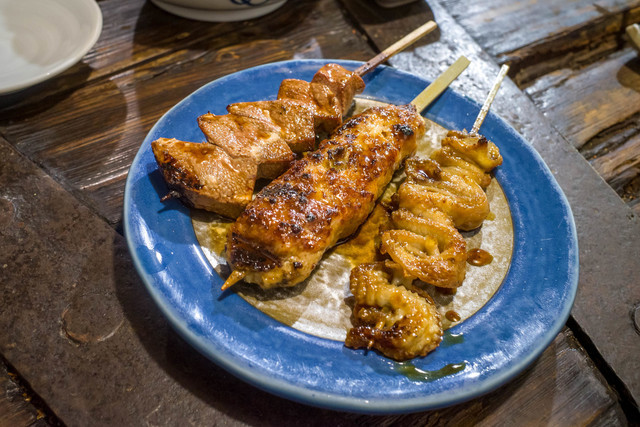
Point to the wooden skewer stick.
(443, 81)
(233, 278)
(398, 46)
(487, 102)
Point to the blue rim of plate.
(494, 345)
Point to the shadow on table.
(159, 29)
(629, 74)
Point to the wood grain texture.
(570, 405)
(575, 62)
(15, 410)
(597, 109)
(537, 37)
(583, 103)
(136, 31)
(87, 137)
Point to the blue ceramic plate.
(479, 354)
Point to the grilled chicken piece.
(343, 83)
(327, 114)
(427, 246)
(330, 94)
(457, 195)
(205, 176)
(439, 196)
(322, 198)
(265, 134)
(257, 140)
(390, 318)
(294, 118)
(450, 160)
(476, 149)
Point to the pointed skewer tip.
(233, 278)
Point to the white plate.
(233, 11)
(41, 38)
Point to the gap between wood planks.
(21, 405)
(631, 411)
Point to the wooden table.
(80, 339)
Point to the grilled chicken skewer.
(284, 232)
(391, 314)
(451, 183)
(268, 134)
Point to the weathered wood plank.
(583, 103)
(385, 28)
(538, 37)
(88, 137)
(597, 109)
(562, 364)
(621, 169)
(137, 31)
(15, 410)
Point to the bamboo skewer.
(443, 81)
(490, 97)
(233, 278)
(398, 46)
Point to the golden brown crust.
(390, 318)
(428, 247)
(343, 83)
(266, 134)
(294, 118)
(242, 136)
(326, 106)
(205, 176)
(322, 198)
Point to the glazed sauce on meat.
(362, 248)
(452, 316)
(479, 257)
(218, 236)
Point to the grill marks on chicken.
(324, 197)
(206, 175)
(266, 135)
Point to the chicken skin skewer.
(389, 317)
(391, 313)
(434, 202)
(270, 134)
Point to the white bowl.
(219, 10)
(41, 38)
